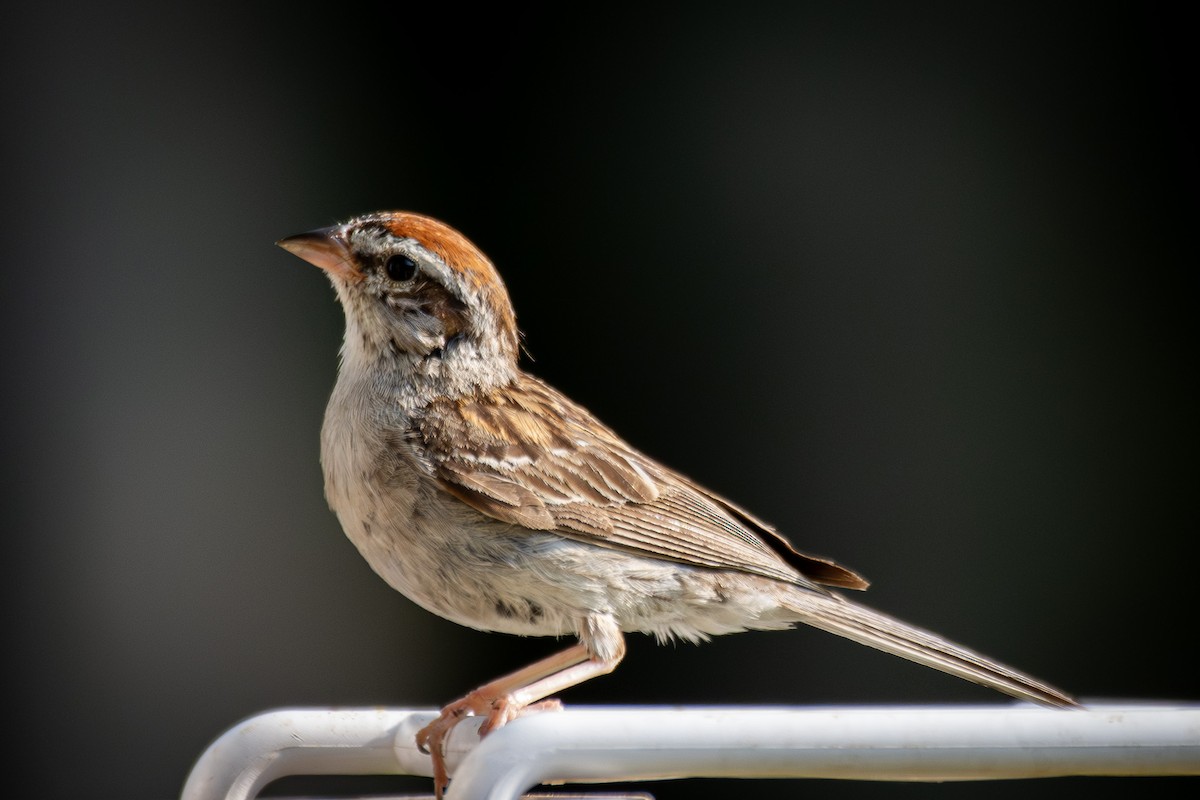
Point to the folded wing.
(533, 458)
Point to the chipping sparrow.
(492, 500)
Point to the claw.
(431, 740)
(507, 698)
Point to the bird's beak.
(325, 248)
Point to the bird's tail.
(836, 614)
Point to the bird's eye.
(400, 267)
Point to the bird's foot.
(505, 710)
(499, 710)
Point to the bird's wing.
(531, 457)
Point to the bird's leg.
(508, 706)
(480, 701)
(506, 698)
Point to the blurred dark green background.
(917, 283)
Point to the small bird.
(492, 500)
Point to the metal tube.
(305, 741)
(629, 744)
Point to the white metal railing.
(581, 745)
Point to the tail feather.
(838, 615)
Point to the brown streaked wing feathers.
(531, 457)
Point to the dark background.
(915, 283)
